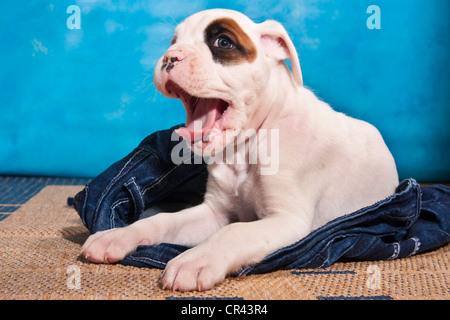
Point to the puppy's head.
(219, 65)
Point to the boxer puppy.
(230, 74)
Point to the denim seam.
(325, 248)
(372, 241)
(141, 200)
(123, 168)
(160, 179)
(148, 150)
(333, 241)
(86, 196)
(404, 218)
(113, 209)
(140, 259)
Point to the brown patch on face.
(229, 44)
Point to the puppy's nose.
(175, 56)
(171, 58)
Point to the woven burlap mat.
(39, 259)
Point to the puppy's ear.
(277, 44)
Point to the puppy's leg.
(187, 227)
(231, 248)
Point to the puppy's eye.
(223, 43)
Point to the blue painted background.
(74, 101)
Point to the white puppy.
(231, 77)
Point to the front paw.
(194, 270)
(112, 245)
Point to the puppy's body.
(328, 164)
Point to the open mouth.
(205, 116)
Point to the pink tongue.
(205, 115)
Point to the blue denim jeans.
(411, 221)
